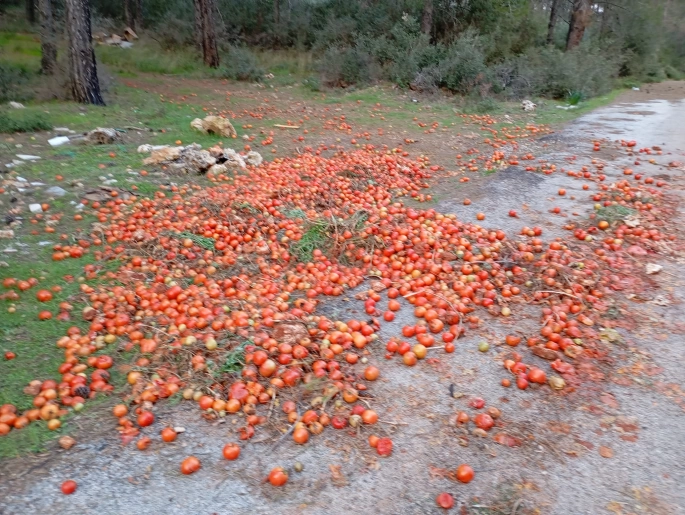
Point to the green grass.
(550, 114)
(33, 341)
(146, 57)
(21, 120)
(20, 49)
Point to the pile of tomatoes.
(210, 294)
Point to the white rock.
(527, 105)
(21, 179)
(632, 221)
(28, 157)
(35, 208)
(56, 191)
(653, 268)
(7, 233)
(62, 129)
(16, 105)
(233, 159)
(253, 158)
(58, 141)
(145, 149)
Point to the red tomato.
(445, 500)
(231, 451)
(465, 473)
(384, 447)
(190, 465)
(69, 487)
(145, 419)
(278, 477)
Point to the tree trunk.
(31, 11)
(604, 25)
(48, 45)
(277, 12)
(553, 11)
(83, 74)
(199, 27)
(580, 19)
(205, 11)
(427, 18)
(138, 18)
(129, 15)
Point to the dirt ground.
(613, 446)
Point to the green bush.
(312, 83)
(13, 81)
(241, 64)
(343, 67)
(22, 120)
(464, 69)
(551, 73)
(173, 33)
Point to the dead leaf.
(606, 452)
(507, 440)
(337, 476)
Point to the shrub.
(22, 120)
(13, 79)
(342, 67)
(463, 68)
(241, 64)
(549, 72)
(172, 33)
(312, 83)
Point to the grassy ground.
(138, 96)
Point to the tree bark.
(277, 12)
(427, 17)
(199, 27)
(48, 45)
(129, 15)
(205, 11)
(31, 11)
(83, 75)
(138, 18)
(580, 19)
(553, 12)
(604, 25)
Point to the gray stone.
(56, 191)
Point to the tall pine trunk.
(129, 14)
(205, 10)
(580, 19)
(83, 74)
(31, 11)
(138, 18)
(427, 17)
(199, 26)
(48, 45)
(553, 14)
